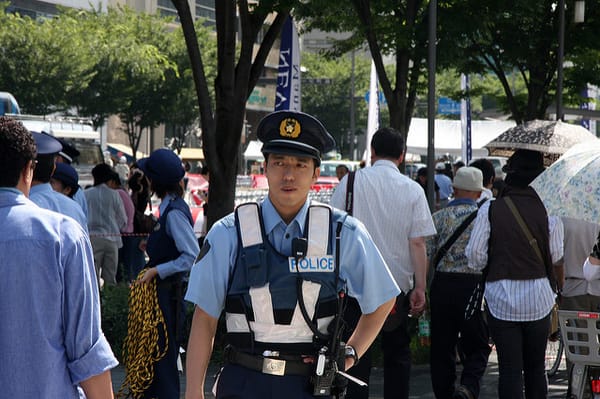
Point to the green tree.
(42, 62)
(182, 113)
(518, 37)
(331, 103)
(136, 77)
(395, 28)
(243, 43)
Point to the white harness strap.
(249, 224)
(263, 326)
(319, 222)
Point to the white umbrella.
(552, 138)
(571, 186)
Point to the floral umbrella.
(552, 138)
(571, 186)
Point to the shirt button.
(287, 236)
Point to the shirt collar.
(462, 201)
(165, 202)
(11, 190)
(41, 188)
(271, 217)
(386, 163)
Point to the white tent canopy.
(253, 151)
(448, 136)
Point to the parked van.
(8, 104)
(76, 131)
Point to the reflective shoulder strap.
(249, 224)
(318, 229)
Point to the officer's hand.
(348, 363)
(149, 274)
(417, 301)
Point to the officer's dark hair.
(161, 189)
(486, 168)
(17, 147)
(387, 142)
(44, 168)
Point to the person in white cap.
(444, 182)
(452, 285)
(122, 170)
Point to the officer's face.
(290, 178)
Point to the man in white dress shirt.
(395, 211)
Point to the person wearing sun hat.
(254, 265)
(171, 248)
(520, 248)
(452, 278)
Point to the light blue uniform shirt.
(79, 197)
(50, 335)
(45, 197)
(362, 267)
(178, 228)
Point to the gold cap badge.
(289, 127)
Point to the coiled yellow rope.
(140, 347)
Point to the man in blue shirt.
(444, 183)
(280, 268)
(50, 337)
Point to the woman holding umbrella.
(172, 248)
(517, 241)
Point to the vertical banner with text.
(289, 93)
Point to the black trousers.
(448, 298)
(395, 344)
(521, 347)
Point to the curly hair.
(17, 147)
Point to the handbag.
(143, 224)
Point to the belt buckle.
(273, 366)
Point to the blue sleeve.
(362, 267)
(209, 279)
(179, 228)
(87, 349)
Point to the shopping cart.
(580, 332)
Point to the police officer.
(280, 269)
(172, 248)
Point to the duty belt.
(273, 365)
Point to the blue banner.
(289, 95)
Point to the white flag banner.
(289, 93)
(373, 118)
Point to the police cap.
(46, 144)
(294, 133)
(68, 152)
(66, 174)
(162, 166)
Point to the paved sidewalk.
(420, 383)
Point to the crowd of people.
(304, 287)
